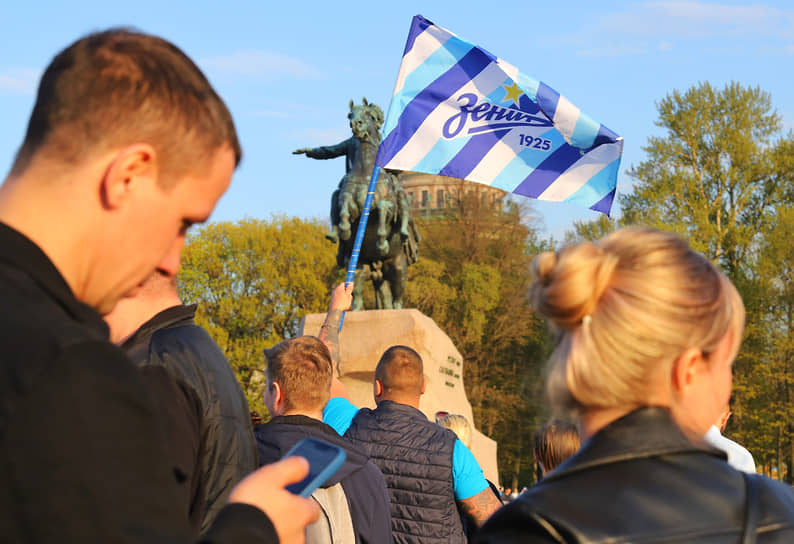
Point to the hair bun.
(543, 266)
(568, 285)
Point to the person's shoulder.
(517, 522)
(34, 328)
(187, 337)
(775, 492)
(339, 413)
(70, 361)
(776, 505)
(189, 352)
(274, 439)
(467, 474)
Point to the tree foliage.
(472, 279)
(712, 175)
(254, 280)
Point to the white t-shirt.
(738, 456)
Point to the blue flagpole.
(362, 226)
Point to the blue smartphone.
(324, 460)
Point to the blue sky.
(288, 70)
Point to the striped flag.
(459, 111)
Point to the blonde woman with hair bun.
(648, 330)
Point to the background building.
(434, 195)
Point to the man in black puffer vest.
(208, 425)
(428, 471)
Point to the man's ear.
(378, 388)
(686, 368)
(726, 415)
(278, 398)
(131, 167)
(424, 386)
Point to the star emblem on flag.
(513, 91)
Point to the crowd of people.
(148, 435)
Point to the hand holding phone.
(265, 489)
(324, 460)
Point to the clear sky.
(287, 70)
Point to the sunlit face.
(155, 224)
(702, 405)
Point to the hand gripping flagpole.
(362, 227)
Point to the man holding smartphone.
(127, 146)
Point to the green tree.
(591, 230)
(254, 280)
(712, 176)
(770, 388)
(472, 279)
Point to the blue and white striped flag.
(459, 111)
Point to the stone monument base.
(367, 334)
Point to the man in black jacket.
(127, 146)
(298, 387)
(210, 438)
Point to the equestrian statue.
(391, 239)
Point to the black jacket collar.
(278, 435)
(175, 316)
(18, 251)
(646, 432)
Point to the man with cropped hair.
(354, 501)
(127, 146)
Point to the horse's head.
(365, 121)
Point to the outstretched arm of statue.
(325, 151)
(341, 300)
(480, 507)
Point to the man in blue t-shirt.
(423, 463)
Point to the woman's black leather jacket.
(639, 479)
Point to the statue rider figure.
(350, 149)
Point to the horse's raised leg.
(344, 216)
(395, 273)
(383, 298)
(384, 207)
(333, 234)
(404, 214)
(360, 278)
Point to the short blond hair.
(302, 368)
(459, 425)
(118, 87)
(626, 307)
